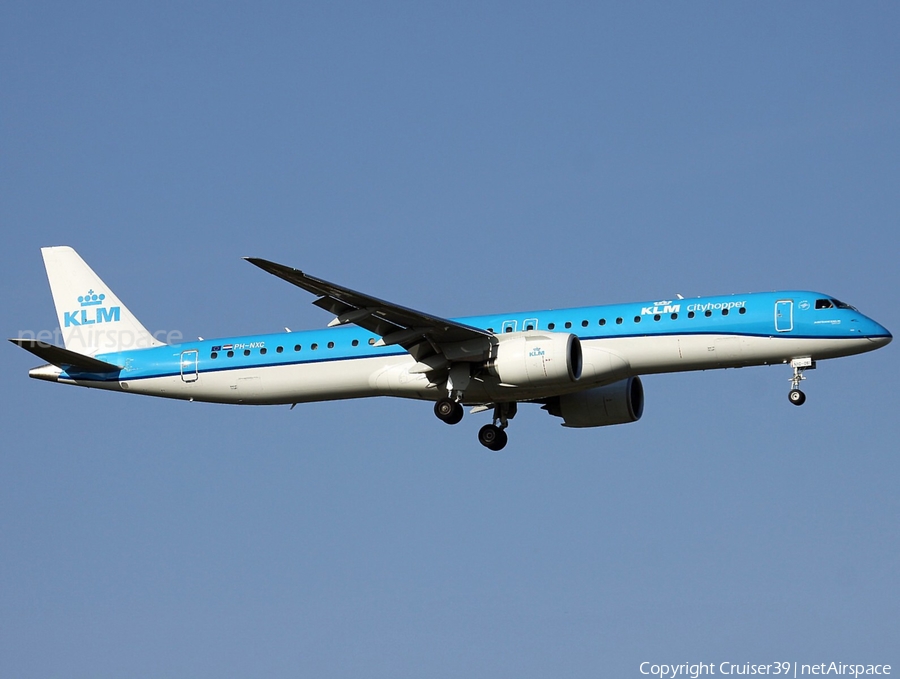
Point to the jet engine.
(616, 403)
(534, 359)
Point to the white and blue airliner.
(581, 364)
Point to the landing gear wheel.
(448, 410)
(493, 437)
(797, 397)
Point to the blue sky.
(459, 159)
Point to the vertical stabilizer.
(92, 319)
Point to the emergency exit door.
(189, 365)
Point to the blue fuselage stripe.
(748, 315)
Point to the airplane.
(583, 365)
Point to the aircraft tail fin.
(92, 319)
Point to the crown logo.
(91, 299)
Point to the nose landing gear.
(795, 396)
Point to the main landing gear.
(491, 436)
(448, 410)
(795, 396)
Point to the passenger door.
(784, 315)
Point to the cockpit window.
(824, 304)
(842, 305)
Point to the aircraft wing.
(421, 334)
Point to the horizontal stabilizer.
(64, 358)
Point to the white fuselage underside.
(605, 361)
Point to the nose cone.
(878, 334)
(882, 341)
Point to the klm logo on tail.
(92, 302)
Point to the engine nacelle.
(616, 403)
(534, 358)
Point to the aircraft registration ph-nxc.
(581, 364)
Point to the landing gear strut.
(493, 436)
(795, 396)
(448, 410)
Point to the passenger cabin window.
(550, 326)
(824, 304)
